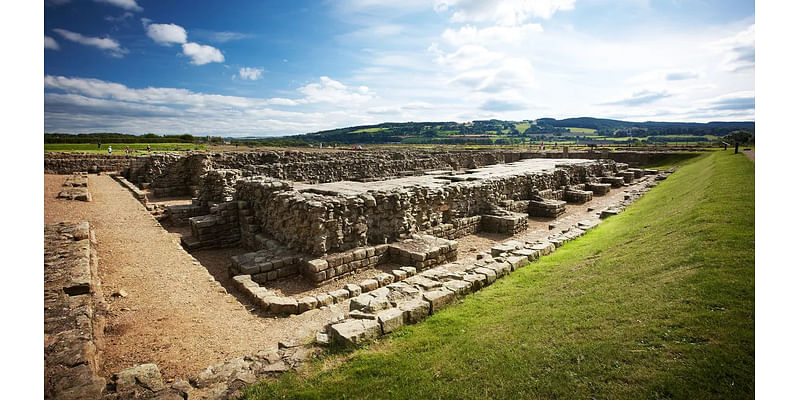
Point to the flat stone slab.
(415, 310)
(355, 331)
(390, 320)
(439, 299)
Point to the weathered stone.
(340, 295)
(324, 299)
(518, 261)
(439, 299)
(390, 320)
(355, 331)
(415, 310)
(306, 303)
(460, 288)
(282, 305)
(360, 302)
(384, 279)
(368, 284)
(144, 375)
(354, 290)
(490, 275)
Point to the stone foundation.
(73, 308)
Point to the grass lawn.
(657, 302)
(119, 148)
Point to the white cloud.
(640, 98)
(121, 18)
(328, 90)
(202, 54)
(92, 105)
(491, 35)
(108, 44)
(503, 12)
(50, 43)
(739, 50)
(252, 74)
(220, 37)
(166, 34)
(124, 4)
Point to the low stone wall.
(73, 308)
(318, 224)
(68, 163)
(509, 223)
(218, 229)
(76, 187)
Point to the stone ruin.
(328, 215)
(323, 216)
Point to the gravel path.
(175, 314)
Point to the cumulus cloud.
(736, 101)
(50, 43)
(490, 35)
(202, 54)
(92, 105)
(252, 74)
(124, 4)
(501, 105)
(739, 50)
(503, 12)
(166, 34)
(328, 90)
(108, 44)
(640, 98)
(681, 75)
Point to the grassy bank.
(119, 148)
(657, 302)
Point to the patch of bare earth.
(175, 313)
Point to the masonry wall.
(68, 163)
(318, 224)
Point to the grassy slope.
(657, 302)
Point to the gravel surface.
(175, 314)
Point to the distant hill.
(511, 132)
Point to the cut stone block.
(355, 331)
(354, 290)
(491, 276)
(390, 320)
(368, 284)
(415, 310)
(282, 305)
(439, 298)
(546, 208)
(460, 288)
(340, 295)
(306, 303)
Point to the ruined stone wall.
(318, 224)
(68, 163)
(73, 307)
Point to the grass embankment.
(119, 148)
(657, 302)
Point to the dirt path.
(175, 314)
(751, 155)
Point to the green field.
(119, 148)
(582, 130)
(370, 130)
(656, 303)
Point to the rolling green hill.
(500, 132)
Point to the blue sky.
(269, 68)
